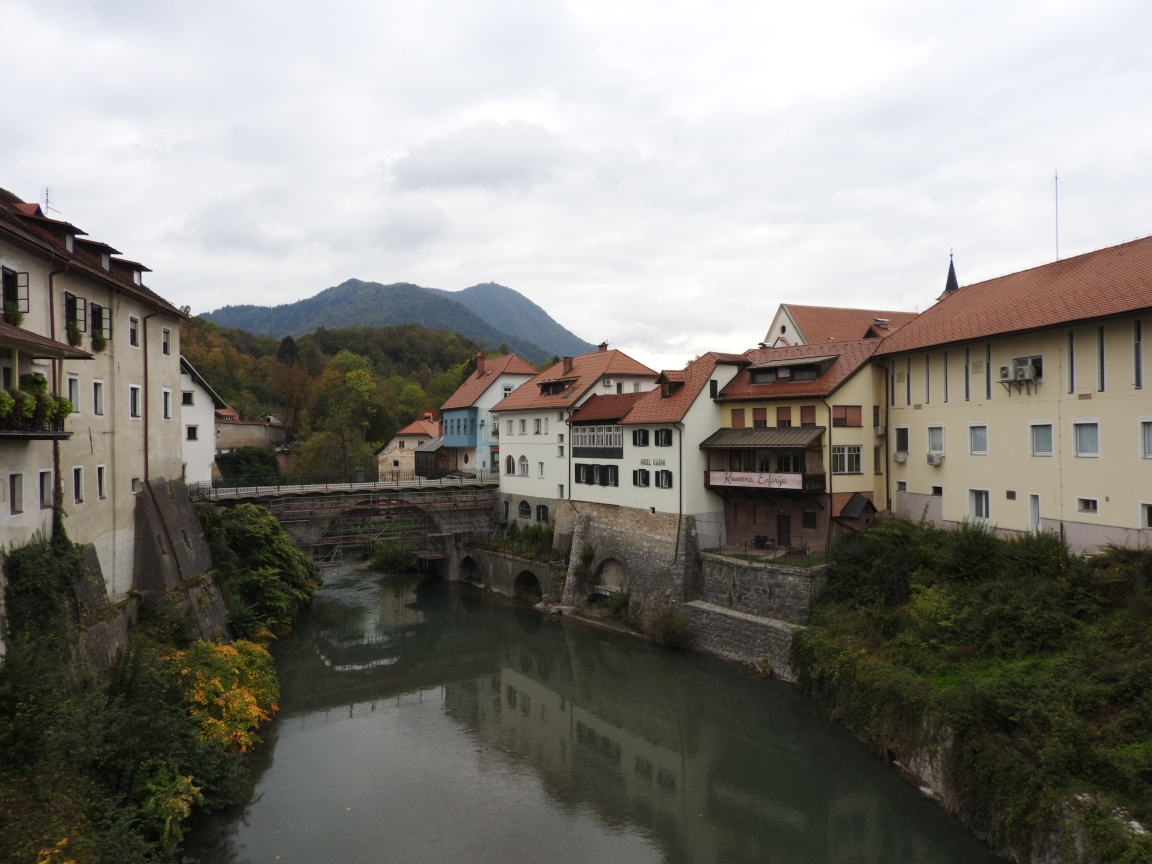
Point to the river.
(423, 722)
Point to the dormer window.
(554, 388)
(137, 277)
(70, 242)
(106, 261)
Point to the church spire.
(952, 285)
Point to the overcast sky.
(659, 175)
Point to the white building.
(534, 452)
(469, 429)
(198, 404)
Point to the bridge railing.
(265, 484)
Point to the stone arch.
(470, 570)
(527, 586)
(612, 574)
(510, 465)
(525, 510)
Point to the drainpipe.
(887, 437)
(144, 328)
(52, 325)
(828, 539)
(680, 482)
(57, 368)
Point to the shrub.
(617, 605)
(75, 337)
(252, 463)
(393, 558)
(7, 403)
(99, 341)
(12, 314)
(671, 628)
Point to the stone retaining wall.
(764, 590)
(742, 637)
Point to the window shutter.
(853, 415)
(760, 416)
(82, 313)
(807, 415)
(605, 475)
(22, 291)
(839, 415)
(613, 475)
(635, 476)
(737, 418)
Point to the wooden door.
(784, 531)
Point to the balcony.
(20, 429)
(34, 416)
(764, 480)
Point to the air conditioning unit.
(900, 456)
(935, 458)
(1026, 373)
(880, 431)
(607, 382)
(1006, 373)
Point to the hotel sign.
(752, 480)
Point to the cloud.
(485, 155)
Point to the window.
(137, 485)
(560, 451)
(640, 477)
(74, 394)
(75, 312)
(1041, 439)
(783, 418)
(846, 459)
(523, 466)
(525, 510)
(1138, 356)
(16, 493)
(878, 460)
(1100, 358)
(45, 490)
(560, 438)
(847, 415)
(597, 436)
(1146, 438)
(636, 387)
(978, 440)
(192, 433)
(541, 513)
(133, 401)
(536, 426)
(901, 485)
(663, 479)
(1146, 515)
(101, 320)
(787, 462)
(1071, 361)
(510, 465)
(1028, 368)
(737, 418)
(98, 397)
(15, 289)
(935, 439)
(988, 371)
(510, 427)
(166, 341)
(927, 378)
(639, 437)
(166, 401)
(186, 397)
(560, 490)
(523, 427)
(938, 491)
(1087, 439)
(759, 418)
(1088, 505)
(907, 381)
(100, 493)
(810, 520)
(978, 504)
(713, 389)
(507, 390)
(581, 473)
(945, 365)
(663, 437)
(902, 439)
(539, 469)
(967, 376)
(78, 485)
(134, 332)
(807, 415)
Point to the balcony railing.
(14, 428)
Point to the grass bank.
(1021, 672)
(109, 768)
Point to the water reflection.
(419, 720)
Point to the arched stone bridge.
(505, 574)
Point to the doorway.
(784, 531)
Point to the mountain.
(488, 313)
(514, 313)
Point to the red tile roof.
(26, 224)
(1110, 281)
(850, 356)
(586, 370)
(610, 407)
(654, 408)
(431, 428)
(475, 385)
(834, 324)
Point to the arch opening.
(470, 570)
(527, 586)
(612, 574)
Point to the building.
(397, 459)
(799, 455)
(533, 422)
(811, 325)
(80, 322)
(642, 450)
(469, 428)
(1021, 402)
(198, 406)
(232, 432)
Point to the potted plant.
(99, 341)
(75, 337)
(12, 313)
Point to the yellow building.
(1021, 401)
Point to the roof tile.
(586, 370)
(850, 356)
(835, 324)
(475, 385)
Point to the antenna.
(48, 200)
(1056, 189)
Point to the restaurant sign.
(750, 479)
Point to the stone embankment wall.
(742, 637)
(500, 572)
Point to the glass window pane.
(1147, 429)
(936, 439)
(979, 439)
(1087, 440)
(1042, 439)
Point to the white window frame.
(196, 437)
(510, 432)
(540, 470)
(133, 331)
(191, 394)
(46, 500)
(139, 391)
(896, 438)
(973, 498)
(1145, 522)
(74, 385)
(101, 482)
(972, 451)
(1080, 509)
(842, 461)
(78, 471)
(536, 423)
(1032, 439)
(1145, 452)
(166, 342)
(98, 401)
(1085, 421)
(928, 433)
(524, 426)
(901, 485)
(522, 466)
(166, 402)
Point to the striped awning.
(764, 438)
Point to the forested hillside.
(341, 392)
(370, 304)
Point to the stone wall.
(766, 590)
(742, 637)
(650, 555)
(498, 571)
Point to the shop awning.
(763, 438)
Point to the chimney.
(427, 415)
(603, 346)
(480, 365)
(567, 365)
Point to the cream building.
(1022, 402)
(121, 372)
(396, 460)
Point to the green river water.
(423, 722)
